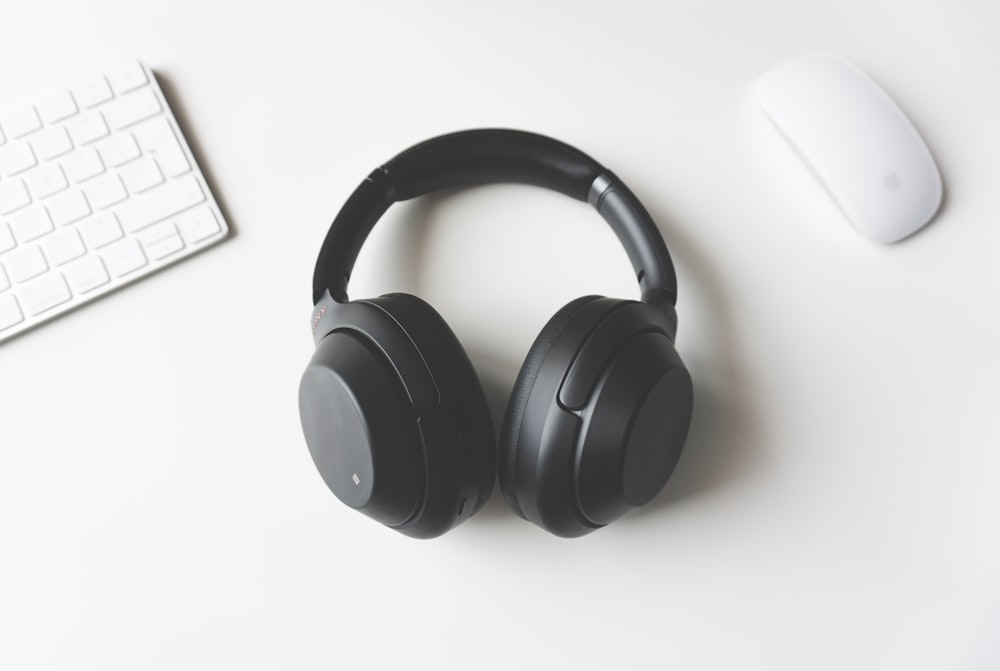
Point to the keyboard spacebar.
(159, 203)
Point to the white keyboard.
(98, 188)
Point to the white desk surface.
(837, 506)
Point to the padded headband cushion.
(484, 156)
(489, 156)
(467, 158)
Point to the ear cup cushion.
(465, 414)
(433, 338)
(525, 381)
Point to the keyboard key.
(63, 246)
(68, 207)
(16, 157)
(30, 223)
(156, 137)
(92, 92)
(56, 106)
(141, 175)
(87, 274)
(87, 127)
(51, 142)
(82, 164)
(20, 121)
(158, 232)
(131, 108)
(24, 263)
(100, 229)
(4, 281)
(45, 180)
(6, 238)
(10, 313)
(123, 257)
(44, 293)
(165, 247)
(105, 191)
(127, 76)
(13, 195)
(117, 149)
(197, 224)
(159, 203)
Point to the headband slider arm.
(638, 235)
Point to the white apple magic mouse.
(856, 139)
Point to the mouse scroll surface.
(858, 142)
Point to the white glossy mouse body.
(857, 141)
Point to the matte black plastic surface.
(361, 430)
(385, 333)
(639, 414)
(526, 380)
(642, 241)
(474, 157)
(488, 156)
(604, 423)
(395, 418)
(458, 436)
(348, 233)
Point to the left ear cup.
(395, 418)
(604, 418)
(459, 439)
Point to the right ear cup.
(395, 417)
(520, 393)
(598, 417)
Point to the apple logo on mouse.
(891, 181)
(877, 167)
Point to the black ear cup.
(520, 393)
(598, 416)
(395, 417)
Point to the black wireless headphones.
(393, 412)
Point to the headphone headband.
(477, 157)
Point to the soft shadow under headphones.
(393, 412)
